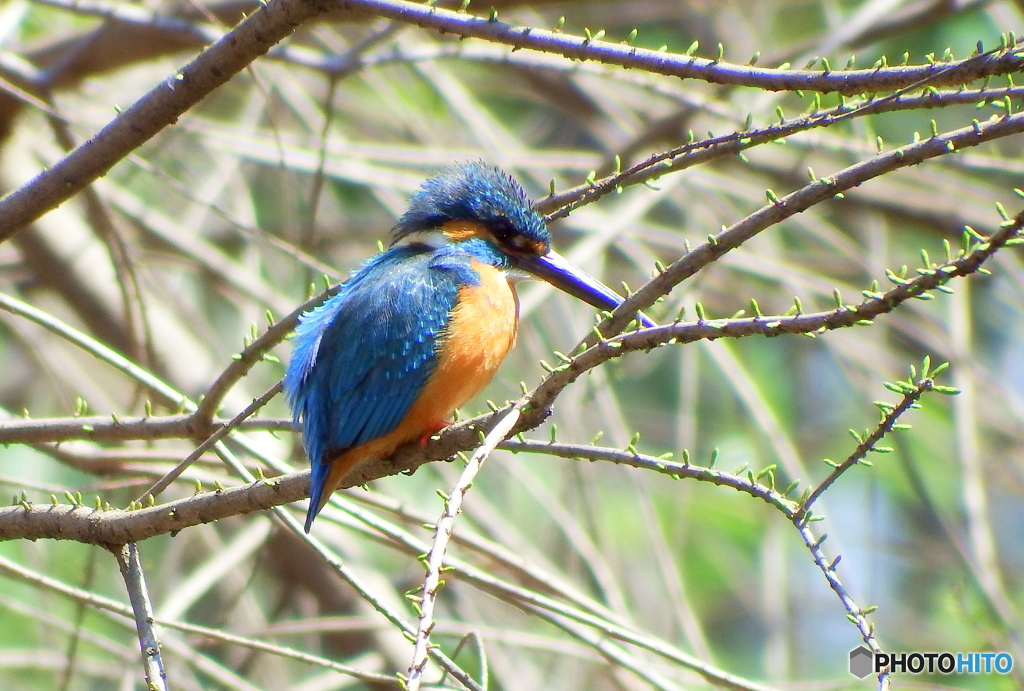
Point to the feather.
(362, 357)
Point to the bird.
(423, 326)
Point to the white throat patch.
(435, 239)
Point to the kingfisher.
(422, 327)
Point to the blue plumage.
(361, 379)
(474, 191)
(373, 346)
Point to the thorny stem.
(222, 431)
(442, 533)
(135, 582)
(856, 614)
(865, 446)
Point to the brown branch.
(156, 110)
(254, 353)
(111, 428)
(844, 316)
(165, 481)
(114, 527)
(714, 71)
(802, 199)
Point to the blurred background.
(296, 170)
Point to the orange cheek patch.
(538, 247)
(458, 231)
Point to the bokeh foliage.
(299, 166)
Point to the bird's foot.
(433, 429)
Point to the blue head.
(476, 201)
(480, 205)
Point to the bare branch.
(802, 199)
(252, 354)
(674, 469)
(442, 532)
(156, 110)
(869, 443)
(164, 482)
(114, 428)
(715, 71)
(844, 316)
(135, 581)
(828, 568)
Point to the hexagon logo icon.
(861, 662)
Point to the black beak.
(556, 270)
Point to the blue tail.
(317, 480)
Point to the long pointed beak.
(556, 270)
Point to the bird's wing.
(362, 358)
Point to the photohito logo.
(864, 662)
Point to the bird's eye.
(503, 230)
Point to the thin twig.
(158, 109)
(828, 568)
(19, 430)
(747, 484)
(648, 294)
(875, 304)
(118, 527)
(817, 191)
(531, 600)
(696, 152)
(712, 70)
(252, 354)
(560, 43)
(442, 533)
(135, 581)
(870, 442)
(348, 575)
(152, 428)
(162, 484)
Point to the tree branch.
(135, 582)
(443, 528)
(156, 110)
(115, 428)
(714, 71)
(802, 199)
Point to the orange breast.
(480, 332)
